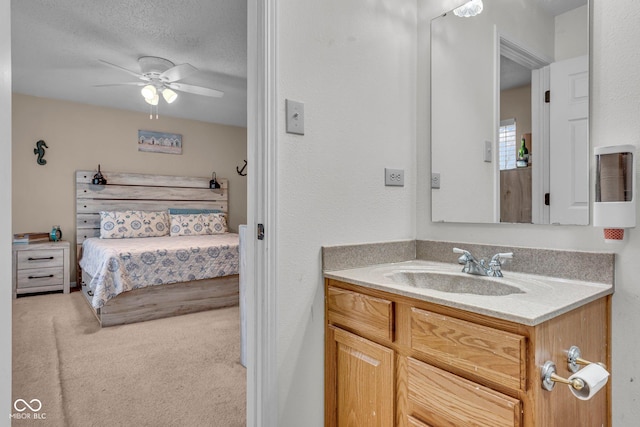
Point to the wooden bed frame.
(126, 191)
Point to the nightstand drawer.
(40, 259)
(52, 276)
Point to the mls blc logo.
(34, 405)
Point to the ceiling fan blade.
(198, 90)
(133, 73)
(178, 72)
(122, 84)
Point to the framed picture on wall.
(159, 142)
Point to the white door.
(569, 142)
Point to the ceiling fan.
(159, 76)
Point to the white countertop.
(542, 297)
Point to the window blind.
(507, 144)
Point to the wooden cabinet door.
(359, 389)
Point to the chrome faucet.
(480, 268)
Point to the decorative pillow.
(217, 222)
(186, 211)
(126, 224)
(198, 224)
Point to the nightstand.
(40, 267)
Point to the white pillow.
(198, 224)
(127, 224)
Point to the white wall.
(572, 36)
(615, 108)
(353, 65)
(5, 212)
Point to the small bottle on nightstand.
(56, 233)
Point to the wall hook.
(242, 170)
(39, 151)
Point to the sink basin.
(454, 283)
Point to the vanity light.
(469, 9)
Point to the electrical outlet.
(435, 180)
(394, 177)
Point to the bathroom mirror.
(491, 77)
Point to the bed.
(128, 279)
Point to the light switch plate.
(435, 180)
(295, 117)
(488, 154)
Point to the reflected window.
(507, 144)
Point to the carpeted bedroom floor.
(180, 371)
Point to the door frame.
(6, 299)
(262, 121)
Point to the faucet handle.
(465, 257)
(465, 254)
(496, 263)
(502, 256)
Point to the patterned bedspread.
(120, 265)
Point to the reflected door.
(569, 150)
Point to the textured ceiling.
(56, 45)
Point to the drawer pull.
(41, 277)
(39, 259)
(90, 293)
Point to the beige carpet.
(181, 371)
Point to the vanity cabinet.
(363, 383)
(361, 370)
(391, 360)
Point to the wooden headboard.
(131, 191)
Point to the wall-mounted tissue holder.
(584, 383)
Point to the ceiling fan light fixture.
(169, 95)
(149, 92)
(160, 75)
(154, 100)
